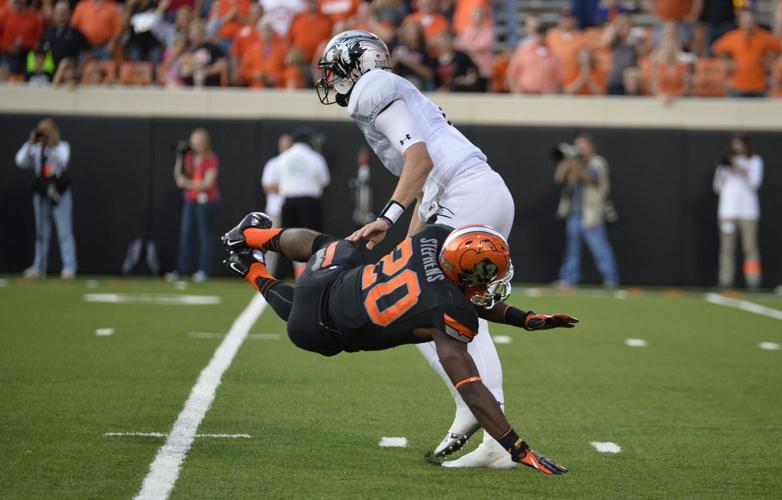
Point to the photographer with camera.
(48, 156)
(737, 179)
(585, 207)
(195, 173)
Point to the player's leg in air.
(256, 234)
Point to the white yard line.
(715, 298)
(151, 298)
(163, 434)
(164, 470)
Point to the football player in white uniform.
(440, 170)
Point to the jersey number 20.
(392, 266)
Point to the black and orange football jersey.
(377, 306)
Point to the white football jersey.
(451, 152)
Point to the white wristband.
(392, 212)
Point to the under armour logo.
(407, 138)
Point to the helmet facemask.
(483, 287)
(347, 57)
(335, 79)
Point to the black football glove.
(548, 321)
(531, 458)
(234, 241)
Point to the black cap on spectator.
(303, 134)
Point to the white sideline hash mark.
(104, 332)
(150, 298)
(769, 346)
(636, 342)
(716, 298)
(502, 339)
(393, 442)
(3, 282)
(607, 447)
(164, 470)
(163, 434)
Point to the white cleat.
(452, 443)
(489, 455)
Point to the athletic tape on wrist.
(392, 212)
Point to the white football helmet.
(347, 57)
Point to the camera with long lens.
(181, 147)
(726, 159)
(562, 151)
(39, 135)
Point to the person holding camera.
(195, 173)
(48, 156)
(584, 206)
(737, 179)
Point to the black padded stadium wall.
(123, 189)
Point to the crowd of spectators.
(683, 47)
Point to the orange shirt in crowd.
(598, 76)
(292, 78)
(246, 36)
(433, 25)
(98, 20)
(499, 74)
(339, 10)
(26, 26)
(229, 29)
(566, 46)
(308, 31)
(673, 10)
(463, 12)
(749, 53)
(670, 80)
(535, 69)
(264, 59)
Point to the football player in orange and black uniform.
(432, 287)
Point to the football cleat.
(489, 455)
(234, 240)
(240, 263)
(451, 443)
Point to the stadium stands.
(153, 47)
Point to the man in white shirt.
(270, 181)
(281, 13)
(444, 173)
(736, 181)
(303, 174)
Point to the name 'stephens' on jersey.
(429, 258)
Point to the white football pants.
(480, 197)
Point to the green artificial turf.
(696, 412)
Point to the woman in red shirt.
(195, 172)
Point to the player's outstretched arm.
(461, 369)
(529, 320)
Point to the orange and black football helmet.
(477, 259)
